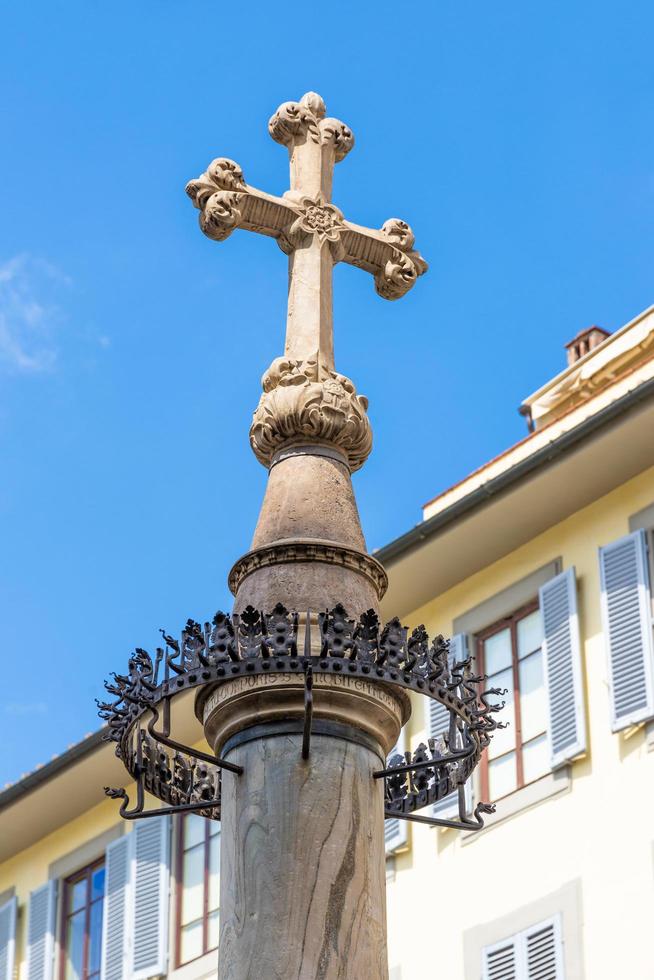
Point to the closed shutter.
(40, 932)
(438, 724)
(8, 939)
(395, 830)
(534, 954)
(151, 879)
(500, 961)
(116, 909)
(563, 674)
(543, 952)
(627, 619)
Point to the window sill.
(537, 792)
(203, 966)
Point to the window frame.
(511, 621)
(85, 873)
(179, 878)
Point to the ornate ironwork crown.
(139, 716)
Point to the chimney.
(585, 341)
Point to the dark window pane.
(83, 938)
(75, 946)
(97, 884)
(77, 895)
(95, 937)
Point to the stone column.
(303, 891)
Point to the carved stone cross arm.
(226, 202)
(388, 254)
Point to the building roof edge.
(503, 481)
(48, 771)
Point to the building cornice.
(509, 478)
(36, 778)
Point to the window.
(198, 880)
(535, 954)
(510, 653)
(82, 923)
(137, 903)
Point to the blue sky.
(517, 140)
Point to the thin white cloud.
(20, 708)
(28, 313)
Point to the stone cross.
(302, 840)
(307, 226)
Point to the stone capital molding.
(302, 400)
(309, 550)
(366, 705)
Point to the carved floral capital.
(297, 122)
(401, 270)
(221, 215)
(302, 400)
(216, 195)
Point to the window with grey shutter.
(563, 672)
(8, 939)
(118, 862)
(627, 620)
(151, 881)
(395, 830)
(40, 932)
(438, 725)
(535, 953)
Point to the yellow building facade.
(540, 566)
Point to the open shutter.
(563, 674)
(8, 939)
(438, 724)
(151, 879)
(542, 951)
(627, 618)
(40, 932)
(116, 910)
(500, 961)
(395, 830)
